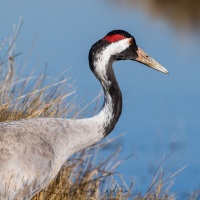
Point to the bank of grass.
(81, 177)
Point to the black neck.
(113, 93)
(112, 107)
(101, 66)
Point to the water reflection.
(182, 14)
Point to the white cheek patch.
(112, 49)
(118, 47)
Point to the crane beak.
(150, 62)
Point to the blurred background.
(161, 113)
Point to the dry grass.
(30, 97)
(82, 177)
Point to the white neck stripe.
(117, 47)
(103, 58)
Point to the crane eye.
(130, 41)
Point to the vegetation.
(182, 14)
(81, 177)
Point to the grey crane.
(33, 151)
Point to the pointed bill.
(150, 62)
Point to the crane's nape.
(33, 151)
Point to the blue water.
(161, 113)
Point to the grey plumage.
(46, 142)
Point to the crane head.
(122, 46)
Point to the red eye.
(113, 38)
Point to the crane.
(32, 151)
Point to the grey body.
(33, 151)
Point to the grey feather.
(33, 151)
